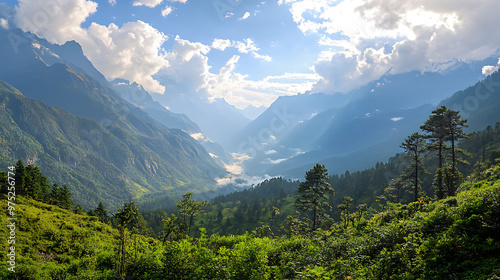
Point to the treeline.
(363, 191)
(31, 183)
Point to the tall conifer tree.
(312, 194)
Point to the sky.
(250, 52)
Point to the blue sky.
(250, 52)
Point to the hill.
(457, 238)
(110, 164)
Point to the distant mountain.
(37, 69)
(479, 104)
(138, 96)
(100, 163)
(363, 141)
(283, 116)
(251, 112)
(379, 115)
(71, 54)
(218, 119)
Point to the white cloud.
(274, 161)
(147, 3)
(264, 57)
(246, 46)
(166, 11)
(245, 16)
(396, 119)
(56, 22)
(180, 1)
(221, 44)
(112, 2)
(4, 23)
(489, 69)
(270, 152)
(190, 75)
(369, 38)
(132, 52)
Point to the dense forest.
(249, 209)
(431, 212)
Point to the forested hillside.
(98, 163)
(249, 209)
(456, 237)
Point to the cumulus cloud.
(132, 52)
(489, 69)
(190, 75)
(147, 3)
(57, 21)
(369, 38)
(221, 44)
(166, 11)
(112, 2)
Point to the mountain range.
(356, 130)
(81, 132)
(124, 144)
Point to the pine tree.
(4, 183)
(394, 192)
(414, 146)
(439, 135)
(101, 213)
(446, 125)
(20, 178)
(455, 125)
(78, 209)
(61, 196)
(312, 194)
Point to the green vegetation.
(452, 238)
(448, 227)
(312, 194)
(113, 163)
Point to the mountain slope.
(218, 119)
(365, 140)
(113, 164)
(32, 55)
(375, 117)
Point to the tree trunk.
(453, 175)
(440, 173)
(416, 175)
(314, 219)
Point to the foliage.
(127, 157)
(312, 194)
(457, 238)
(124, 217)
(414, 146)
